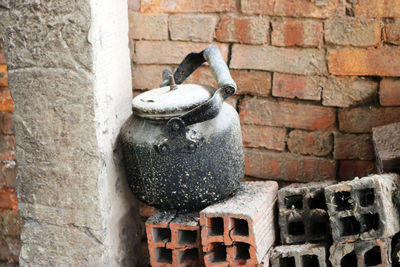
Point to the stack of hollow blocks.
(236, 232)
(321, 224)
(350, 224)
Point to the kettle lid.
(173, 100)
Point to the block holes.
(317, 201)
(349, 226)
(319, 229)
(242, 251)
(395, 249)
(240, 227)
(366, 197)
(218, 252)
(287, 262)
(349, 260)
(164, 255)
(162, 235)
(370, 222)
(189, 257)
(295, 201)
(187, 237)
(216, 226)
(342, 200)
(296, 228)
(373, 257)
(310, 261)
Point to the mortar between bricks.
(243, 224)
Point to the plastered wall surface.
(69, 75)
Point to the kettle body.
(184, 154)
(186, 178)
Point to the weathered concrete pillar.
(69, 75)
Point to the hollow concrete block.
(174, 239)
(305, 255)
(240, 230)
(303, 215)
(374, 252)
(363, 208)
(386, 140)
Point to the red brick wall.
(10, 222)
(314, 76)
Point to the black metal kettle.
(182, 146)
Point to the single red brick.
(278, 59)
(264, 136)
(8, 199)
(290, 32)
(273, 113)
(347, 91)
(6, 102)
(167, 52)
(287, 166)
(375, 62)
(148, 26)
(252, 82)
(362, 119)
(348, 169)
(289, 8)
(248, 30)
(352, 31)
(377, 8)
(389, 92)
(257, 6)
(296, 86)
(192, 27)
(182, 6)
(3, 75)
(352, 146)
(310, 143)
(392, 33)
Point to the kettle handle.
(210, 108)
